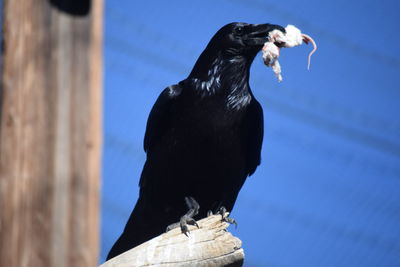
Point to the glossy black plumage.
(203, 136)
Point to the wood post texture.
(50, 133)
(210, 245)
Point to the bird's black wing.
(253, 133)
(159, 120)
(142, 224)
(160, 115)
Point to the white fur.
(293, 36)
(270, 56)
(270, 51)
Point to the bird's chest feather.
(209, 119)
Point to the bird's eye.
(239, 30)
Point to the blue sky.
(328, 190)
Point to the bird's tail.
(140, 228)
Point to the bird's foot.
(187, 219)
(222, 212)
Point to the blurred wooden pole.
(50, 133)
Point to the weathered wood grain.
(210, 245)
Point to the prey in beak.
(258, 34)
(277, 39)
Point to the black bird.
(203, 137)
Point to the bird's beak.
(259, 34)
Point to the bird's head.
(242, 39)
(239, 41)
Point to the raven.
(203, 137)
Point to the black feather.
(203, 137)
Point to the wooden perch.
(210, 245)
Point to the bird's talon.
(227, 219)
(172, 226)
(187, 219)
(222, 212)
(230, 221)
(185, 230)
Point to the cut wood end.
(209, 245)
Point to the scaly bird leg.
(187, 219)
(222, 212)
